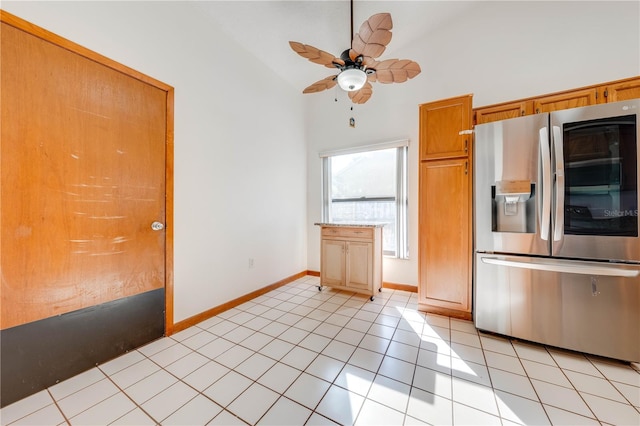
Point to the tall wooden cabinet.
(445, 200)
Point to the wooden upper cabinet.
(614, 91)
(622, 91)
(445, 128)
(573, 99)
(503, 111)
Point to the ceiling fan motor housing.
(358, 63)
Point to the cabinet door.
(445, 239)
(441, 124)
(503, 111)
(332, 269)
(623, 91)
(359, 265)
(573, 99)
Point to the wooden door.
(332, 269)
(445, 234)
(359, 265)
(445, 128)
(83, 160)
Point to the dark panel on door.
(39, 354)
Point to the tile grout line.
(55, 402)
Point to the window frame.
(401, 198)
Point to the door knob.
(157, 226)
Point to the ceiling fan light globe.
(352, 79)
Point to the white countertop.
(352, 225)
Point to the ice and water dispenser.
(513, 206)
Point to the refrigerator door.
(595, 164)
(509, 184)
(591, 307)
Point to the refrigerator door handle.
(545, 206)
(564, 267)
(558, 226)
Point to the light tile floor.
(299, 356)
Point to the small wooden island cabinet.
(351, 257)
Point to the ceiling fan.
(358, 65)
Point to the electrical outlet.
(250, 262)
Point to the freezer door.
(591, 307)
(509, 184)
(595, 164)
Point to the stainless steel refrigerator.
(557, 250)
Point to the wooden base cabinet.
(444, 240)
(351, 258)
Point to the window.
(369, 184)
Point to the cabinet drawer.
(345, 232)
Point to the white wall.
(239, 142)
(499, 51)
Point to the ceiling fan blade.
(361, 96)
(320, 85)
(315, 55)
(373, 36)
(368, 61)
(395, 70)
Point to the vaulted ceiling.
(264, 28)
